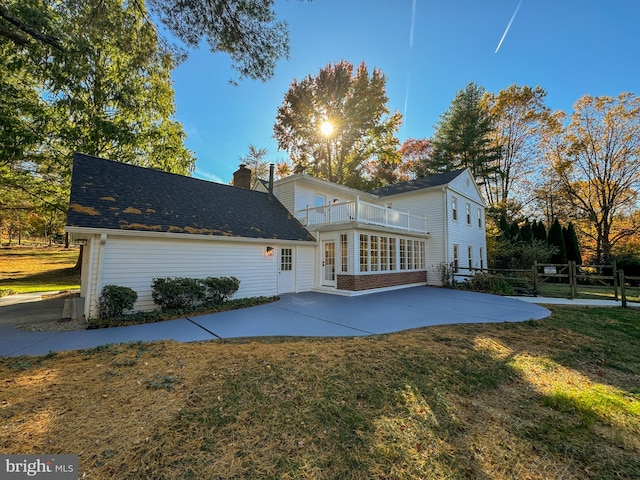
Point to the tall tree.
(247, 30)
(596, 158)
(556, 239)
(337, 126)
(463, 137)
(416, 158)
(256, 161)
(107, 92)
(572, 247)
(519, 117)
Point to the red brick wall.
(380, 280)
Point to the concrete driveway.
(304, 314)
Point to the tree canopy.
(247, 30)
(519, 117)
(337, 125)
(463, 136)
(596, 160)
(108, 92)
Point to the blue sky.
(428, 49)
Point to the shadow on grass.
(55, 279)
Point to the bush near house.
(114, 300)
(183, 292)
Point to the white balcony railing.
(362, 212)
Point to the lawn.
(597, 292)
(44, 269)
(551, 399)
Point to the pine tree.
(463, 136)
(539, 231)
(526, 232)
(571, 244)
(556, 239)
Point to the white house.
(299, 234)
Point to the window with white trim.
(286, 259)
(373, 248)
(384, 254)
(470, 255)
(344, 252)
(364, 252)
(454, 208)
(468, 211)
(479, 218)
(456, 257)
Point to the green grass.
(597, 292)
(45, 269)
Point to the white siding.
(135, 261)
(305, 275)
(466, 234)
(285, 193)
(430, 204)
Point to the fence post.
(571, 266)
(615, 280)
(623, 294)
(534, 276)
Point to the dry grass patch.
(535, 400)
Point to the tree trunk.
(78, 266)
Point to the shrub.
(114, 300)
(447, 272)
(177, 293)
(219, 289)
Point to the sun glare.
(326, 128)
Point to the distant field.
(42, 269)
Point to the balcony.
(361, 212)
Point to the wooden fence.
(569, 274)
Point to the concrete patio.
(304, 314)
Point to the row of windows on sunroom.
(379, 253)
(454, 212)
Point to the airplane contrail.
(506, 30)
(413, 22)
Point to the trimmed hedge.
(114, 300)
(183, 293)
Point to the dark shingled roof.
(418, 184)
(118, 196)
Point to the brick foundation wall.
(380, 280)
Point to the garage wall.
(135, 261)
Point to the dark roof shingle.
(418, 184)
(119, 196)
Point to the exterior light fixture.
(268, 251)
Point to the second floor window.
(454, 208)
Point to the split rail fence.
(569, 275)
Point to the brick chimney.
(242, 177)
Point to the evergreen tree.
(539, 231)
(556, 239)
(463, 136)
(514, 231)
(571, 244)
(503, 225)
(526, 232)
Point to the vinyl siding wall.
(135, 261)
(430, 204)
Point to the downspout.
(88, 295)
(446, 224)
(103, 241)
